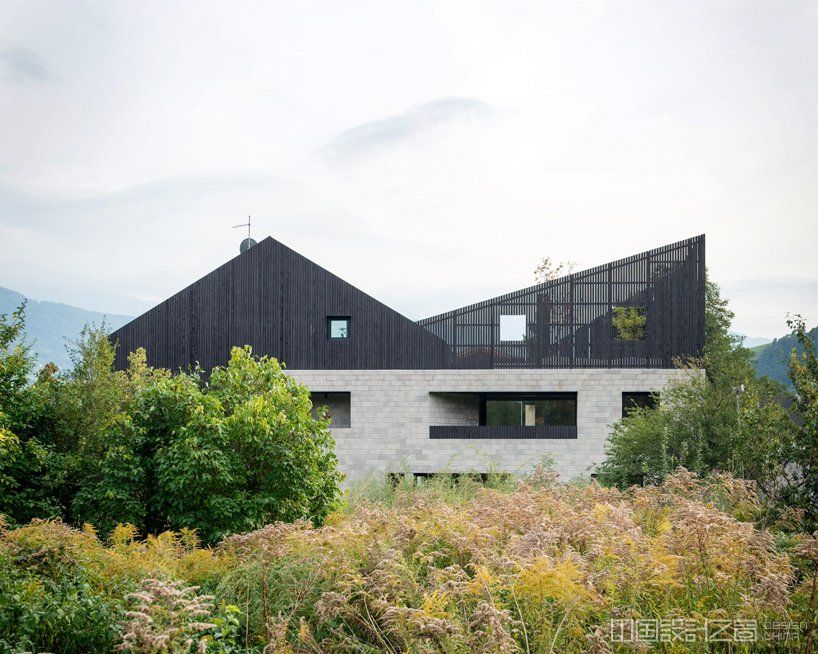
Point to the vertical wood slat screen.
(569, 320)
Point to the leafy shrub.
(52, 594)
(160, 451)
(224, 457)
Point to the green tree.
(629, 323)
(804, 375)
(238, 452)
(705, 422)
(27, 475)
(16, 361)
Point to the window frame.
(331, 319)
(484, 398)
(641, 311)
(626, 395)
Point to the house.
(492, 386)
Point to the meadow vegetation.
(526, 566)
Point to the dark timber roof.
(278, 301)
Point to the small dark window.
(631, 401)
(338, 327)
(335, 406)
(629, 323)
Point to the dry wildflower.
(598, 642)
(331, 605)
(560, 580)
(538, 568)
(277, 636)
(683, 482)
(408, 623)
(541, 477)
(809, 548)
(490, 630)
(270, 539)
(166, 616)
(306, 637)
(771, 591)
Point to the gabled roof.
(277, 301)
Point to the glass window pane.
(339, 327)
(531, 411)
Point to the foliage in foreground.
(540, 568)
(729, 420)
(223, 455)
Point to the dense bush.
(728, 419)
(236, 453)
(539, 567)
(222, 455)
(64, 590)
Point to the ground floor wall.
(390, 412)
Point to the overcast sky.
(429, 153)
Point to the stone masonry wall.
(391, 411)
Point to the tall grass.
(447, 565)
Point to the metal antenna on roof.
(247, 243)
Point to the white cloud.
(22, 64)
(394, 130)
(430, 153)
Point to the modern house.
(492, 386)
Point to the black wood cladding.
(278, 301)
(569, 320)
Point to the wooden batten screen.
(569, 322)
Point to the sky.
(431, 153)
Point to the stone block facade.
(390, 412)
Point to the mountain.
(753, 342)
(771, 360)
(50, 326)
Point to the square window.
(512, 328)
(638, 400)
(338, 327)
(629, 323)
(333, 405)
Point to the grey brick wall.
(391, 411)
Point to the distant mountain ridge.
(50, 326)
(753, 342)
(772, 360)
